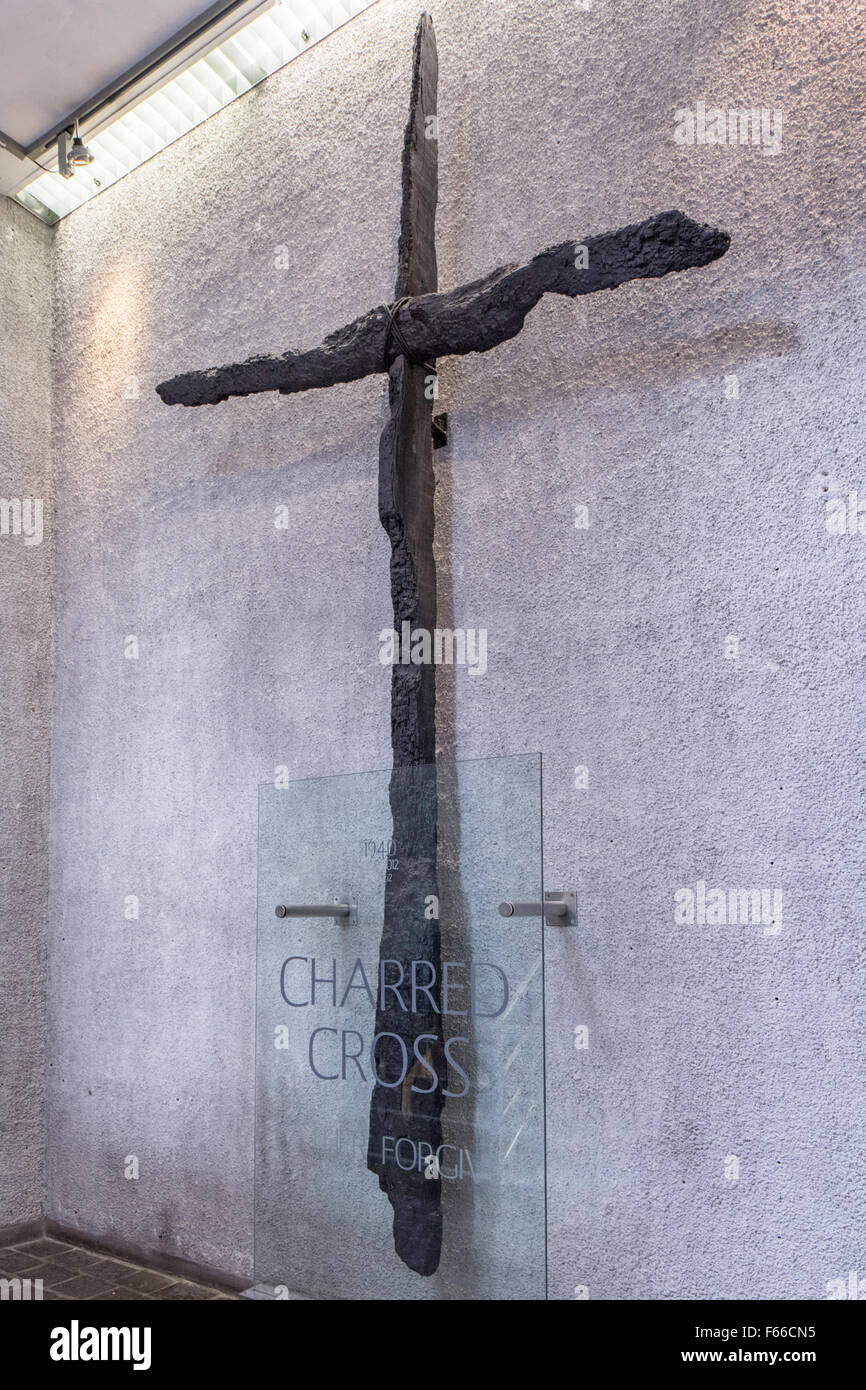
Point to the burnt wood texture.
(474, 318)
(410, 932)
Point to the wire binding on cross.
(393, 331)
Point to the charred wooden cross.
(404, 339)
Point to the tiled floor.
(68, 1271)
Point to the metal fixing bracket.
(558, 909)
(347, 912)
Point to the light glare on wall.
(231, 68)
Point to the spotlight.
(72, 153)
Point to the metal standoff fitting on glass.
(558, 909)
(334, 909)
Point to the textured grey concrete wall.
(25, 603)
(703, 421)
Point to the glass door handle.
(558, 908)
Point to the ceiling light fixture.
(72, 153)
(183, 97)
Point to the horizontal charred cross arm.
(473, 318)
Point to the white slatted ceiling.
(265, 44)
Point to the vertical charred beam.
(412, 1109)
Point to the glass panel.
(400, 1103)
